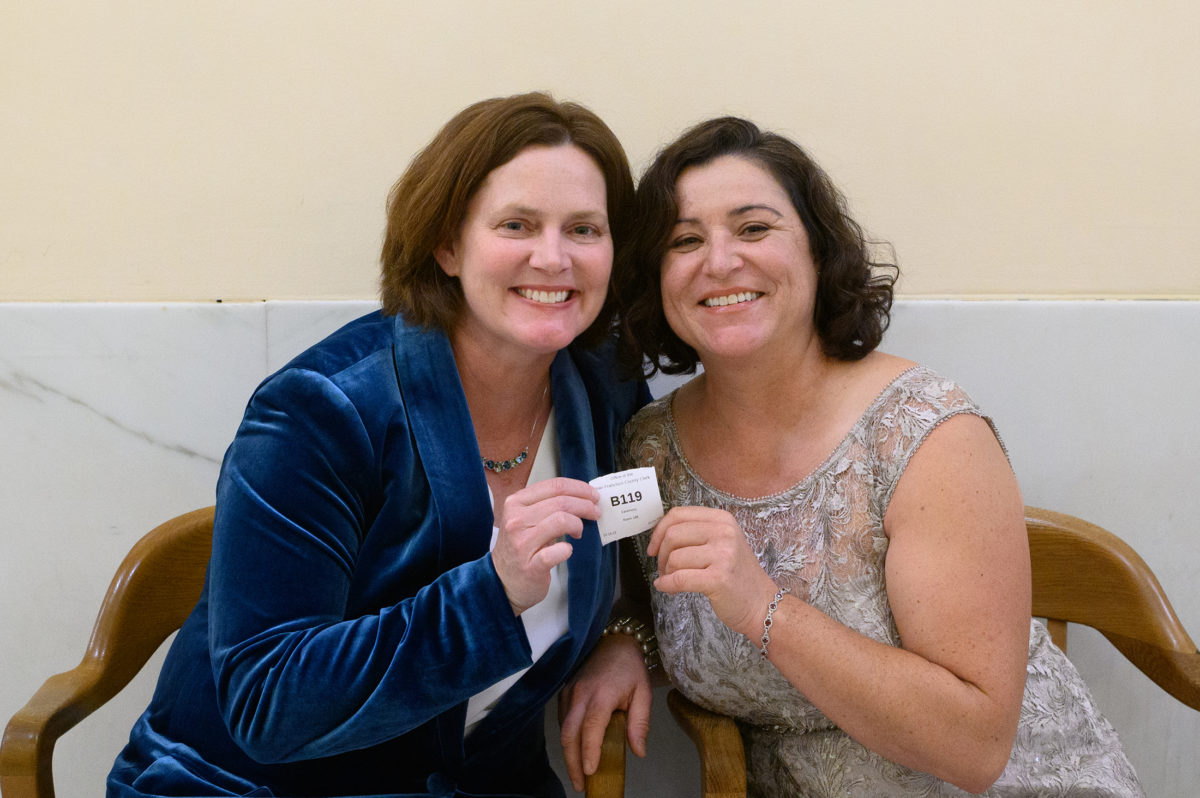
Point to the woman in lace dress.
(844, 565)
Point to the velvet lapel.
(441, 425)
(577, 455)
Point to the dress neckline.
(677, 447)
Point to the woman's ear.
(446, 257)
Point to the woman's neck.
(756, 429)
(776, 391)
(505, 394)
(509, 401)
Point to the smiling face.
(738, 279)
(533, 254)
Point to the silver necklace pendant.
(500, 466)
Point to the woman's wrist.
(641, 634)
(769, 621)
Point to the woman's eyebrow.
(739, 211)
(515, 209)
(755, 207)
(519, 209)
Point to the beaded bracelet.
(768, 621)
(644, 637)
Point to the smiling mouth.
(731, 299)
(544, 297)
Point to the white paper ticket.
(629, 503)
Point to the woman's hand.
(703, 550)
(532, 524)
(614, 677)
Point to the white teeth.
(545, 297)
(731, 299)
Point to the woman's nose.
(722, 257)
(548, 253)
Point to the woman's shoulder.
(653, 416)
(350, 374)
(349, 344)
(912, 407)
(647, 436)
(915, 387)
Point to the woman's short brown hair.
(854, 293)
(428, 204)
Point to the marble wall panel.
(114, 417)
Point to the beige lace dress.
(823, 539)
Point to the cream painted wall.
(224, 149)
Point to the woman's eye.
(513, 225)
(585, 230)
(755, 229)
(685, 242)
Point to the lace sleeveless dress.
(823, 539)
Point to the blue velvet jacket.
(351, 606)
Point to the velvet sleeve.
(295, 677)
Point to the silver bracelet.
(768, 621)
(638, 631)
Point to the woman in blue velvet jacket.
(405, 563)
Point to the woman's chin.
(732, 348)
(546, 340)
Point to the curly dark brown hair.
(429, 202)
(854, 292)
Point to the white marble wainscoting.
(114, 417)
